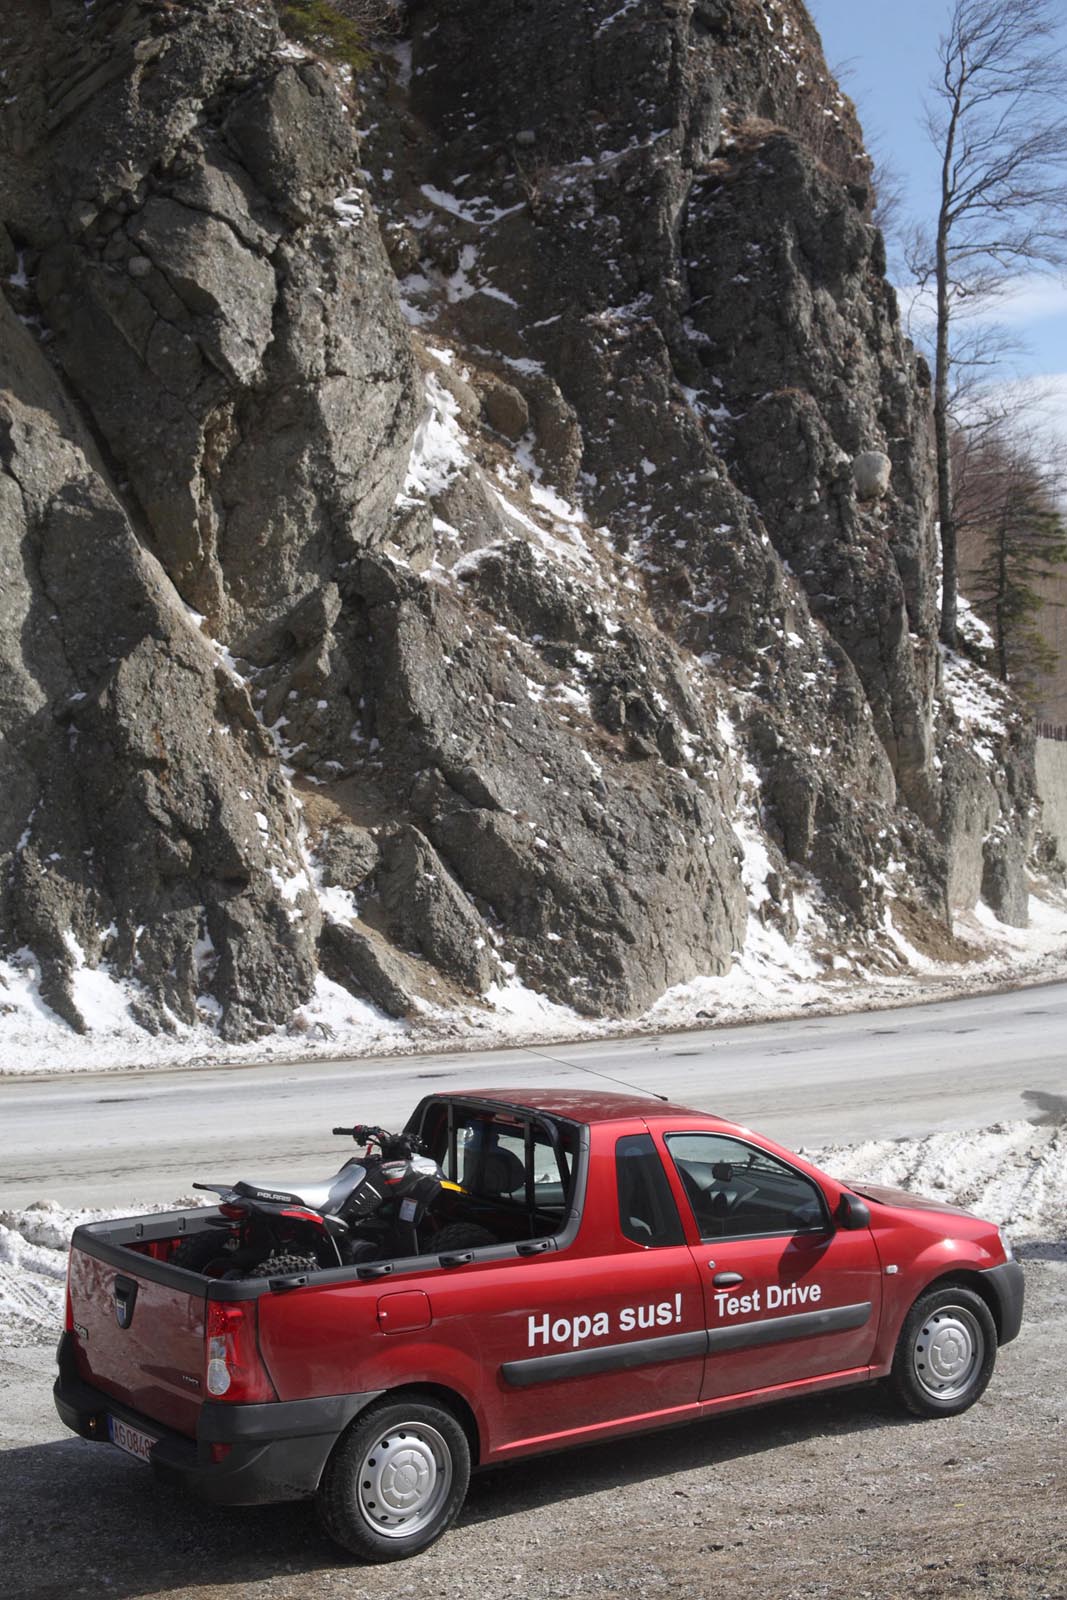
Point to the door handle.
(726, 1280)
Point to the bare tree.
(998, 123)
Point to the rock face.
(147, 821)
(419, 554)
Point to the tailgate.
(139, 1332)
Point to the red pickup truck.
(653, 1265)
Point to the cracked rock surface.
(492, 545)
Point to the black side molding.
(681, 1346)
(772, 1330)
(605, 1358)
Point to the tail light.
(235, 1369)
(68, 1310)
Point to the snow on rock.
(350, 208)
(478, 210)
(771, 977)
(36, 1041)
(981, 705)
(971, 626)
(528, 1009)
(438, 451)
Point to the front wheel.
(395, 1481)
(945, 1353)
(461, 1236)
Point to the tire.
(358, 1251)
(461, 1236)
(945, 1354)
(278, 1266)
(201, 1251)
(395, 1481)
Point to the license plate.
(132, 1440)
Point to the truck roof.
(585, 1105)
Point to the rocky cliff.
(465, 514)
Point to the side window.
(647, 1212)
(737, 1190)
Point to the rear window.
(512, 1165)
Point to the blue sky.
(891, 53)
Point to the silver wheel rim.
(948, 1351)
(404, 1479)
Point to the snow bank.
(33, 1264)
(1013, 1173)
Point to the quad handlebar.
(394, 1146)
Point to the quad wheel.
(396, 1480)
(202, 1251)
(276, 1266)
(945, 1354)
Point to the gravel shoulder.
(833, 1497)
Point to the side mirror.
(852, 1213)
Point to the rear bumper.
(1009, 1287)
(273, 1452)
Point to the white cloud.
(1031, 298)
(1032, 311)
(1044, 405)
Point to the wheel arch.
(961, 1278)
(441, 1395)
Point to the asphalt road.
(115, 1137)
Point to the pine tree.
(1022, 536)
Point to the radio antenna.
(576, 1066)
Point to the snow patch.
(979, 702)
(350, 208)
(478, 210)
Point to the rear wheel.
(945, 1354)
(396, 1480)
(276, 1266)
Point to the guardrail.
(1052, 730)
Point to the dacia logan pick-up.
(654, 1264)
